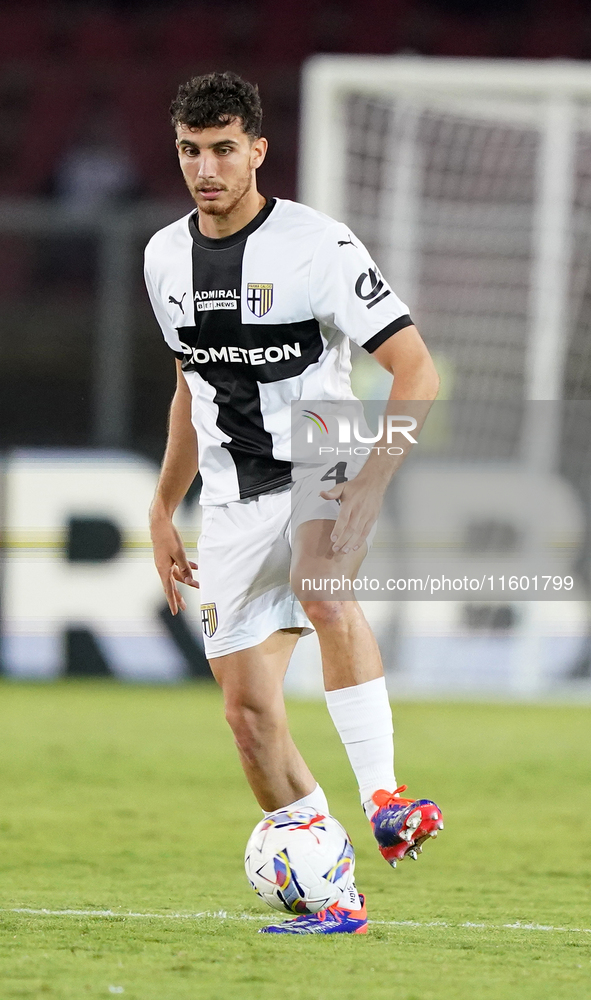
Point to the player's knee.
(251, 724)
(325, 613)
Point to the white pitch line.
(204, 914)
(223, 915)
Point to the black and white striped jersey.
(259, 319)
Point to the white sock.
(363, 719)
(350, 900)
(315, 800)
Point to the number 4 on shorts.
(337, 473)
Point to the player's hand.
(360, 504)
(171, 562)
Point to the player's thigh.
(318, 573)
(252, 678)
(244, 561)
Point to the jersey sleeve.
(348, 293)
(170, 334)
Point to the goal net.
(470, 183)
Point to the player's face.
(219, 165)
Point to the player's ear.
(258, 151)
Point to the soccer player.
(258, 298)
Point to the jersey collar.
(211, 243)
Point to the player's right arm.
(179, 469)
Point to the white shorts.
(244, 564)
(244, 569)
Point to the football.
(299, 861)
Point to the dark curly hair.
(215, 100)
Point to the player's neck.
(216, 227)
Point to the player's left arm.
(406, 357)
(416, 382)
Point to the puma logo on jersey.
(172, 300)
(346, 243)
(242, 355)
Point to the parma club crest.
(259, 298)
(209, 619)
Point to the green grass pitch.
(131, 800)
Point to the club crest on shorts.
(259, 298)
(209, 619)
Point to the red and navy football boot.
(334, 920)
(401, 826)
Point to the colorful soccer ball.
(299, 861)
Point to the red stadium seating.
(25, 32)
(553, 37)
(57, 63)
(285, 30)
(143, 99)
(460, 36)
(379, 27)
(45, 129)
(191, 34)
(100, 36)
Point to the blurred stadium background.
(446, 135)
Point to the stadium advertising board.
(476, 577)
(79, 589)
